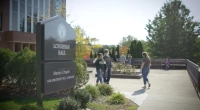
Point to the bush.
(105, 89)
(68, 104)
(93, 90)
(31, 107)
(83, 96)
(5, 56)
(22, 69)
(82, 75)
(117, 98)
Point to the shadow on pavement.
(138, 92)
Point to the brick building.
(18, 20)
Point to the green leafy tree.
(126, 41)
(91, 55)
(173, 32)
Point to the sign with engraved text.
(58, 76)
(59, 40)
(55, 56)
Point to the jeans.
(129, 62)
(99, 76)
(145, 72)
(106, 77)
(167, 66)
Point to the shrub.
(117, 98)
(82, 75)
(83, 96)
(22, 69)
(5, 57)
(31, 107)
(68, 104)
(105, 89)
(93, 90)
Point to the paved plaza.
(170, 90)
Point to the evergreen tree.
(91, 55)
(95, 55)
(117, 49)
(173, 32)
(113, 52)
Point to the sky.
(111, 20)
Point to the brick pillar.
(34, 47)
(11, 46)
(21, 46)
(28, 45)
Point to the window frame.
(1, 21)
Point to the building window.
(1, 19)
(14, 6)
(47, 8)
(22, 8)
(22, 22)
(35, 3)
(41, 4)
(29, 2)
(14, 21)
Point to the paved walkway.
(170, 90)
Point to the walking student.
(129, 59)
(115, 57)
(100, 65)
(167, 63)
(123, 58)
(107, 58)
(145, 68)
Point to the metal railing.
(160, 64)
(193, 71)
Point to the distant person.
(108, 60)
(122, 58)
(100, 65)
(145, 68)
(115, 57)
(129, 59)
(167, 63)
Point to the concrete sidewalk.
(170, 90)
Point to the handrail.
(194, 73)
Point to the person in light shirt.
(145, 68)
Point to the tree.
(91, 55)
(139, 49)
(82, 43)
(126, 41)
(128, 52)
(173, 32)
(133, 49)
(123, 49)
(117, 50)
(95, 54)
(113, 52)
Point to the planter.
(136, 75)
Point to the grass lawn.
(15, 103)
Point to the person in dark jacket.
(107, 58)
(115, 57)
(100, 65)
